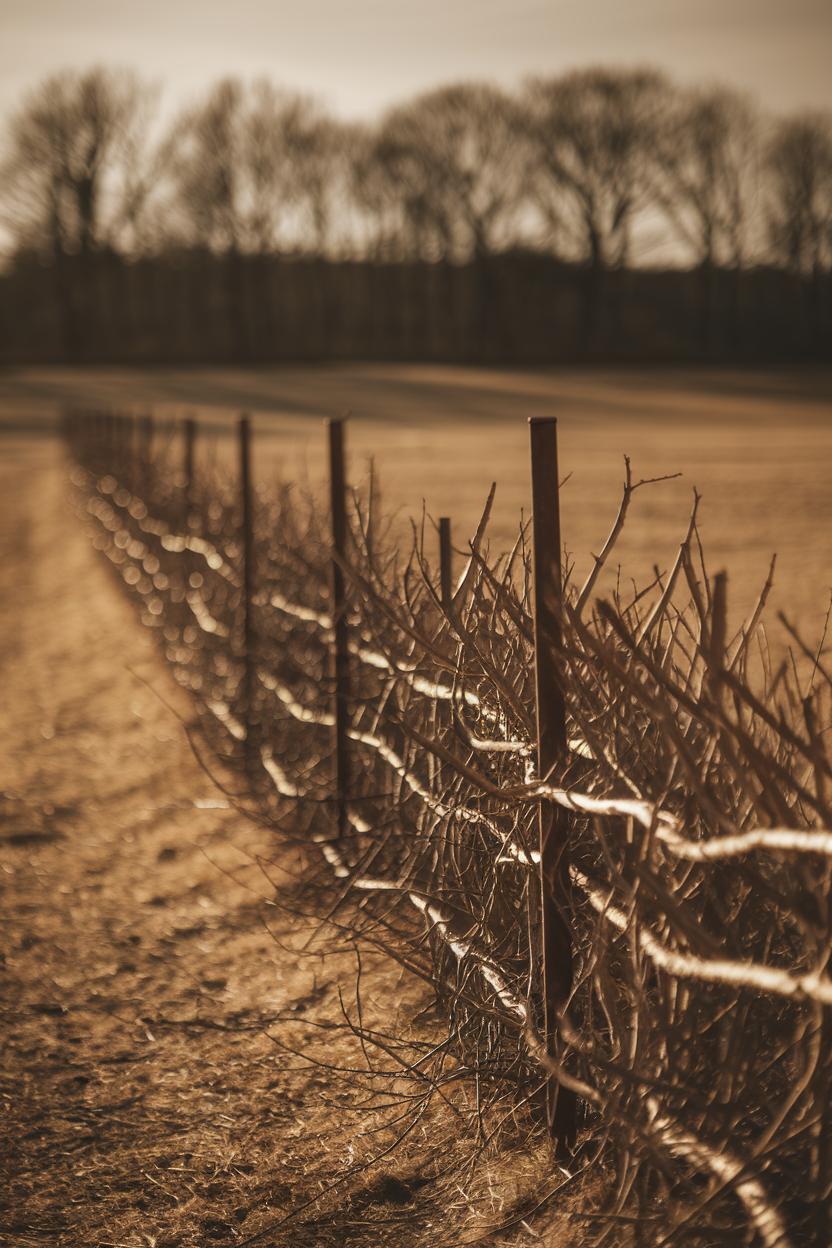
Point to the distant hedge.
(511, 308)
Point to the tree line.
(606, 169)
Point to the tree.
(205, 150)
(589, 136)
(705, 180)
(451, 159)
(372, 213)
(71, 181)
(799, 167)
(319, 151)
(74, 183)
(704, 172)
(251, 169)
(252, 173)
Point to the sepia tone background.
(503, 185)
(440, 220)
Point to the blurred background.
(513, 183)
(443, 219)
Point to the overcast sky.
(360, 55)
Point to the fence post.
(148, 429)
(117, 445)
(110, 458)
(719, 624)
(445, 561)
(135, 448)
(340, 658)
(120, 447)
(555, 939)
(189, 430)
(249, 642)
(125, 447)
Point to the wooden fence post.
(445, 561)
(249, 641)
(555, 938)
(340, 657)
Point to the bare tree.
(319, 150)
(705, 177)
(705, 180)
(251, 170)
(704, 172)
(205, 160)
(452, 157)
(590, 133)
(374, 217)
(392, 222)
(73, 177)
(799, 168)
(291, 158)
(74, 183)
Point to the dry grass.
(696, 1032)
(147, 1100)
(758, 445)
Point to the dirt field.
(161, 1002)
(757, 445)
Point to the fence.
(611, 841)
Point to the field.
(758, 446)
(149, 984)
(147, 919)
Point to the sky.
(359, 56)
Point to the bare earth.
(157, 1006)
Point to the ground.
(152, 988)
(158, 1007)
(757, 444)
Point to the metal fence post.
(116, 458)
(719, 624)
(147, 425)
(111, 461)
(135, 449)
(445, 561)
(189, 444)
(249, 640)
(555, 938)
(340, 657)
(124, 449)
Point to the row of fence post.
(555, 937)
